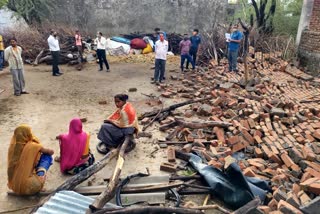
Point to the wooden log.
(109, 192)
(74, 181)
(201, 125)
(178, 142)
(247, 208)
(172, 107)
(151, 122)
(174, 133)
(153, 209)
(36, 61)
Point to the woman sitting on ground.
(121, 123)
(75, 154)
(28, 162)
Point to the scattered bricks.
(314, 187)
(254, 117)
(266, 151)
(295, 155)
(274, 150)
(256, 163)
(275, 158)
(251, 122)
(312, 207)
(273, 204)
(247, 136)
(304, 198)
(233, 140)
(220, 134)
(167, 94)
(204, 110)
(168, 167)
(187, 148)
(316, 135)
(206, 155)
(257, 139)
(257, 133)
(213, 150)
(308, 153)
(200, 134)
(145, 121)
(258, 153)
(215, 164)
(293, 200)
(296, 171)
(189, 138)
(286, 160)
(306, 184)
(232, 103)
(278, 112)
(103, 102)
(237, 147)
(171, 154)
(279, 195)
(199, 143)
(287, 208)
(296, 189)
(310, 138)
(217, 101)
(313, 172)
(301, 140)
(264, 209)
(249, 172)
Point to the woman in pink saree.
(75, 154)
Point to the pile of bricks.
(275, 124)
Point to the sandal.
(102, 148)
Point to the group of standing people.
(188, 51)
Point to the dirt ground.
(54, 101)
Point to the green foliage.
(285, 19)
(3, 3)
(33, 11)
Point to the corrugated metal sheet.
(67, 202)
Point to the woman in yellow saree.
(28, 162)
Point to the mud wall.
(114, 17)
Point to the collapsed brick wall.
(309, 48)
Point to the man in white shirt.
(101, 43)
(53, 43)
(161, 49)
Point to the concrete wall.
(309, 48)
(114, 17)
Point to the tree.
(264, 21)
(3, 3)
(33, 11)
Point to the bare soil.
(54, 101)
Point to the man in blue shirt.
(195, 44)
(233, 47)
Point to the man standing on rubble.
(195, 44)
(54, 47)
(161, 49)
(12, 55)
(1, 53)
(233, 47)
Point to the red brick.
(293, 200)
(264, 209)
(304, 198)
(296, 188)
(237, 147)
(257, 139)
(249, 172)
(171, 154)
(233, 140)
(215, 164)
(220, 134)
(316, 135)
(258, 153)
(286, 160)
(273, 204)
(308, 153)
(285, 207)
(313, 172)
